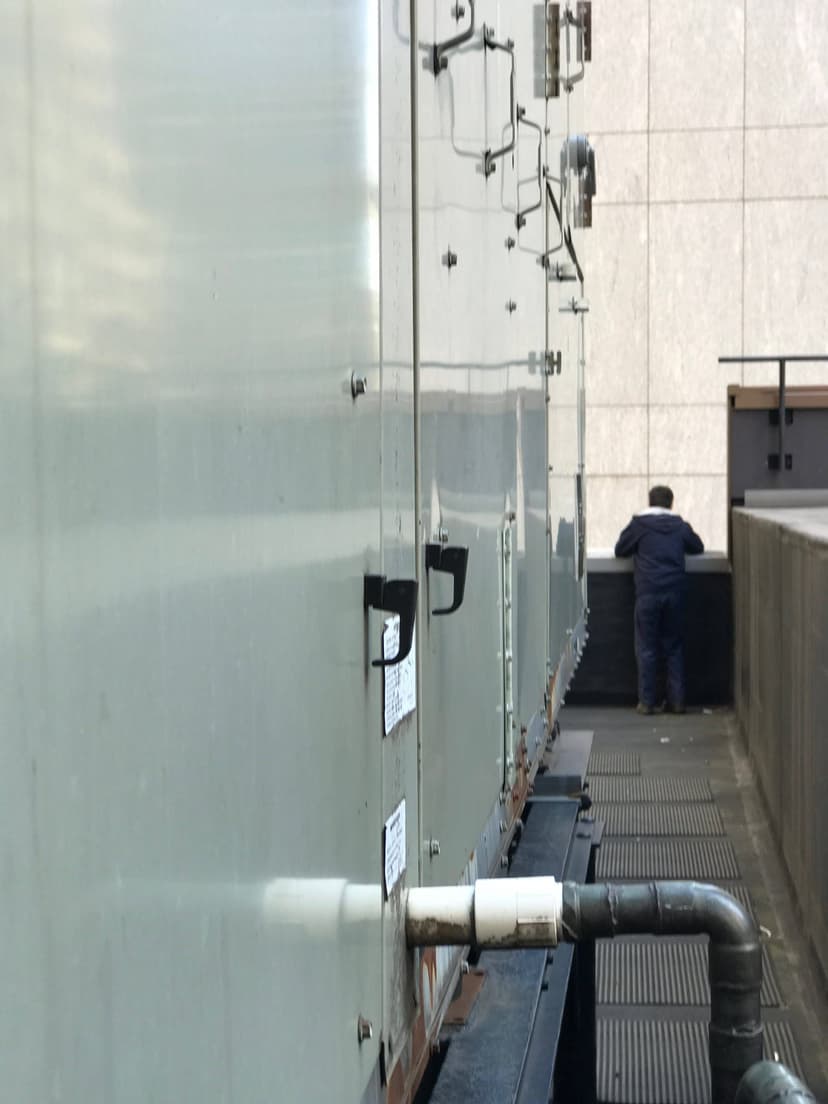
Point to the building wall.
(710, 236)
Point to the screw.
(459, 12)
(503, 826)
(511, 306)
(450, 259)
(433, 847)
(510, 243)
(442, 535)
(359, 385)
(365, 1030)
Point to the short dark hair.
(661, 496)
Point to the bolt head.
(365, 1030)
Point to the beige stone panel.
(696, 63)
(611, 502)
(688, 440)
(621, 168)
(786, 284)
(699, 164)
(616, 440)
(615, 264)
(701, 500)
(787, 76)
(782, 163)
(695, 299)
(616, 78)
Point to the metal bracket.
(439, 61)
(563, 273)
(553, 363)
(395, 596)
(520, 219)
(454, 560)
(575, 306)
(508, 47)
(582, 23)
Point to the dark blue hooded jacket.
(659, 540)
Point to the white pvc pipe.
(499, 912)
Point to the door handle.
(454, 560)
(396, 596)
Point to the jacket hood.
(659, 519)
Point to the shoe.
(647, 710)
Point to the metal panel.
(191, 498)
(667, 858)
(614, 762)
(483, 438)
(666, 1062)
(654, 789)
(698, 819)
(663, 971)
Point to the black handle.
(454, 560)
(395, 596)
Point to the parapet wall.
(780, 602)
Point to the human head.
(661, 496)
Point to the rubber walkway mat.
(697, 819)
(666, 1062)
(661, 788)
(704, 860)
(663, 972)
(613, 762)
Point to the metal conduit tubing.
(508, 47)
(440, 49)
(532, 912)
(520, 218)
(772, 1083)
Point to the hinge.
(553, 51)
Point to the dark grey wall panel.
(780, 571)
(607, 674)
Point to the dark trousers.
(659, 634)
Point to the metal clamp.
(395, 596)
(520, 218)
(574, 306)
(439, 61)
(454, 560)
(508, 47)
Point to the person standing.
(658, 541)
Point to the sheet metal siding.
(190, 500)
(780, 570)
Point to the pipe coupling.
(494, 912)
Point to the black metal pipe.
(734, 956)
(772, 1083)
